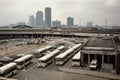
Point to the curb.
(84, 72)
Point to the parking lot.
(52, 71)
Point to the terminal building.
(105, 51)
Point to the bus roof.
(49, 55)
(3, 78)
(7, 66)
(23, 58)
(62, 55)
(77, 56)
(42, 49)
(61, 47)
(76, 46)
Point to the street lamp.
(80, 22)
(6, 46)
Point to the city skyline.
(88, 11)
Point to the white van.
(94, 64)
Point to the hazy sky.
(12, 11)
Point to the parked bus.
(8, 70)
(47, 59)
(63, 57)
(23, 61)
(76, 59)
(39, 51)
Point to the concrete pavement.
(91, 73)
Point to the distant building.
(56, 23)
(70, 21)
(31, 21)
(21, 23)
(39, 18)
(44, 23)
(48, 16)
(115, 27)
(89, 24)
(11, 25)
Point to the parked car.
(94, 64)
(14, 56)
(1, 64)
(6, 59)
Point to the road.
(39, 74)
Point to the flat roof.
(99, 52)
(100, 42)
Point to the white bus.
(63, 57)
(39, 51)
(47, 59)
(76, 59)
(23, 61)
(8, 70)
(77, 48)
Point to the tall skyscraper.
(70, 21)
(39, 18)
(48, 16)
(31, 21)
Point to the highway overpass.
(54, 32)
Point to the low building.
(105, 51)
(56, 23)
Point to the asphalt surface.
(51, 72)
(39, 74)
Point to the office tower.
(89, 24)
(48, 16)
(31, 21)
(70, 21)
(39, 18)
(56, 23)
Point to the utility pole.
(106, 23)
(6, 46)
(80, 22)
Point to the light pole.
(6, 46)
(80, 22)
(106, 23)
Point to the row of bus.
(54, 56)
(65, 56)
(20, 63)
(38, 52)
(10, 68)
(47, 59)
(60, 57)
